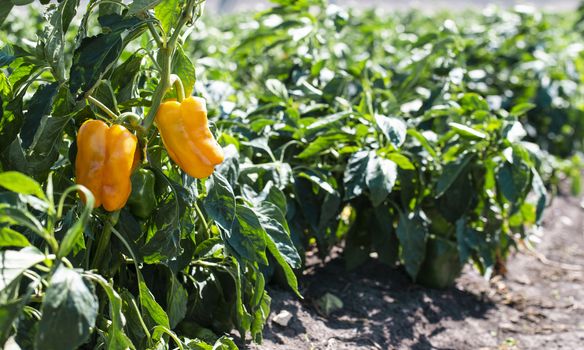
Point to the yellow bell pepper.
(185, 133)
(104, 162)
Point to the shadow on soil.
(382, 307)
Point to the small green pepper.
(142, 201)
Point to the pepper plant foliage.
(182, 269)
(419, 139)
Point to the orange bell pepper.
(185, 133)
(104, 162)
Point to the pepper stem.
(104, 239)
(179, 87)
(103, 107)
(166, 52)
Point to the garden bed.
(536, 306)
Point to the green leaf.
(111, 20)
(336, 87)
(224, 343)
(164, 244)
(329, 303)
(270, 194)
(540, 192)
(6, 53)
(48, 140)
(92, 59)
(380, 177)
(75, 232)
(39, 107)
(22, 70)
(184, 68)
(277, 88)
(355, 175)
(243, 317)
(279, 242)
(5, 88)
(323, 144)
(247, 236)
(451, 172)
(472, 102)
(68, 9)
(198, 344)
(521, 109)
(154, 314)
(220, 201)
(20, 183)
(423, 141)
(52, 42)
(49, 136)
(5, 8)
(412, 234)
(466, 240)
(467, 132)
(115, 337)
(168, 12)
(442, 265)
(176, 299)
(69, 312)
(514, 132)
(472, 242)
(260, 143)
(138, 6)
(325, 123)
(393, 128)
(164, 239)
(11, 238)
(104, 93)
(513, 180)
(134, 321)
(124, 77)
(10, 123)
(402, 161)
(318, 179)
(260, 316)
(230, 166)
(9, 311)
(384, 240)
(456, 200)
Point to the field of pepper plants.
(164, 170)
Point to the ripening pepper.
(185, 133)
(105, 159)
(142, 201)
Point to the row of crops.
(424, 141)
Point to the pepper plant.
(387, 146)
(169, 260)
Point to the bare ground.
(538, 305)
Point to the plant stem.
(102, 107)
(207, 235)
(179, 87)
(165, 56)
(155, 34)
(104, 239)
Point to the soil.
(539, 304)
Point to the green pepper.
(142, 201)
